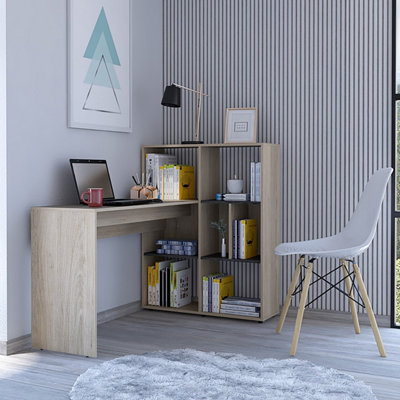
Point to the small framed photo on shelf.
(241, 125)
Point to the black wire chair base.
(299, 288)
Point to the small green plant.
(220, 226)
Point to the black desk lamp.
(172, 98)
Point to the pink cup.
(94, 197)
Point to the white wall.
(39, 143)
(3, 175)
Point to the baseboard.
(24, 342)
(15, 345)
(341, 316)
(118, 312)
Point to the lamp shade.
(172, 96)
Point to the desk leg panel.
(64, 279)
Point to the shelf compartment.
(217, 257)
(173, 256)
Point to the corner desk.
(64, 266)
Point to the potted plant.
(220, 226)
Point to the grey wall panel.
(319, 73)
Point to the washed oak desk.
(64, 266)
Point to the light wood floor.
(46, 375)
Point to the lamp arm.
(191, 90)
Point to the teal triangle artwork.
(102, 28)
(101, 76)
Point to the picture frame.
(241, 125)
(99, 65)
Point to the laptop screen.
(92, 174)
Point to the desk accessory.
(95, 197)
(172, 98)
(240, 125)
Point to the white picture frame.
(241, 125)
(99, 65)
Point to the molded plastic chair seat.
(353, 240)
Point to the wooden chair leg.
(292, 286)
(300, 312)
(351, 302)
(370, 313)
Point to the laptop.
(94, 173)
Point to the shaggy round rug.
(189, 374)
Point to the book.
(160, 271)
(153, 285)
(236, 307)
(184, 182)
(222, 288)
(157, 285)
(248, 238)
(153, 163)
(149, 285)
(181, 283)
(236, 197)
(258, 182)
(234, 239)
(245, 313)
(252, 180)
(245, 301)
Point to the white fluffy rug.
(190, 374)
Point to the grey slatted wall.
(319, 73)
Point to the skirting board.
(24, 342)
(340, 316)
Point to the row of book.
(177, 247)
(216, 287)
(255, 181)
(244, 240)
(173, 181)
(169, 284)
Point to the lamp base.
(192, 142)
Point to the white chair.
(353, 240)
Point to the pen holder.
(144, 192)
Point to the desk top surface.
(103, 209)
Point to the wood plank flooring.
(47, 375)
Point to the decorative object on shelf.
(172, 98)
(100, 72)
(220, 226)
(240, 125)
(235, 185)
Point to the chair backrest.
(362, 225)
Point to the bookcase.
(210, 164)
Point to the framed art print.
(240, 125)
(99, 70)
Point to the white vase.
(223, 248)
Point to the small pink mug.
(95, 197)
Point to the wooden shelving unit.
(195, 225)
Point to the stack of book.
(244, 240)
(215, 288)
(176, 182)
(255, 181)
(241, 306)
(236, 197)
(177, 247)
(169, 284)
(153, 163)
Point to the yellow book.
(153, 286)
(186, 182)
(149, 285)
(157, 284)
(248, 238)
(161, 182)
(222, 288)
